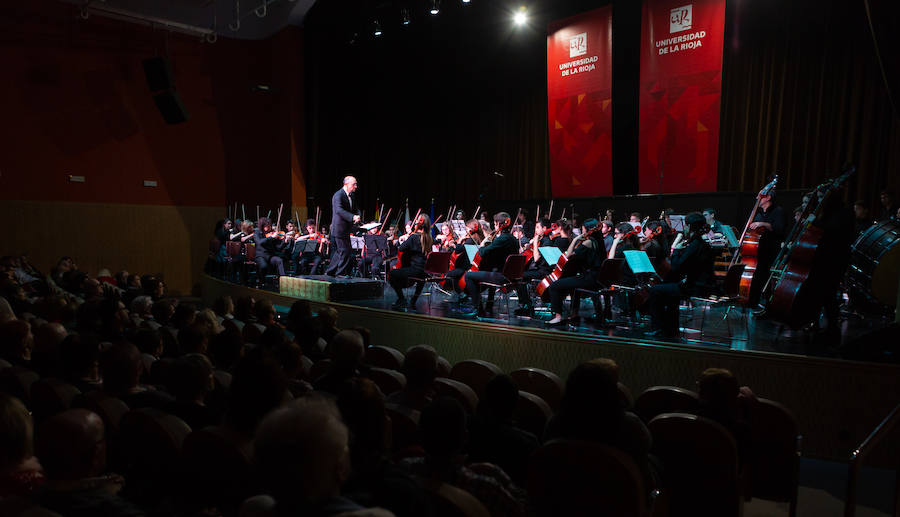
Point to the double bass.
(748, 249)
(790, 302)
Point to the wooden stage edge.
(837, 402)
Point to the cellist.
(538, 268)
(493, 258)
(770, 217)
(586, 255)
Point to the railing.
(859, 455)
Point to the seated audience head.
(243, 308)
(420, 367)
(443, 428)
(149, 342)
(16, 342)
(328, 317)
(6, 312)
(45, 356)
(499, 399)
(185, 314)
(121, 367)
(718, 390)
(226, 348)
(362, 408)
(223, 306)
(193, 339)
(162, 311)
(192, 378)
(80, 357)
(142, 306)
(72, 445)
(290, 357)
(153, 287)
(591, 406)
(300, 312)
(208, 319)
(16, 432)
(366, 335)
(265, 312)
(257, 386)
(272, 337)
(301, 451)
(347, 350)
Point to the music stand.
(459, 228)
(677, 222)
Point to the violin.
(476, 261)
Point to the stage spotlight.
(404, 13)
(520, 17)
(466, 1)
(377, 31)
(435, 7)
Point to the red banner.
(681, 82)
(579, 91)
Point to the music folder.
(729, 234)
(639, 262)
(471, 250)
(551, 254)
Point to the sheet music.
(471, 250)
(729, 234)
(677, 222)
(639, 262)
(357, 243)
(550, 253)
(459, 228)
(369, 226)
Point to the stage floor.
(712, 327)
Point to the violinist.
(771, 217)
(538, 269)
(526, 225)
(561, 236)
(624, 239)
(474, 236)
(655, 242)
(606, 231)
(414, 250)
(306, 250)
(493, 258)
(267, 248)
(585, 253)
(446, 240)
(691, 275)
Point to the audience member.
(328, 323)
(257, 387)
(443, 429)
(302, 455)
(346, 352)
(20, 472)
(494, 435)
(722, 399)
(16, 342)
(225, 349)
(592, 410)
(121, 367)
(72, 448)
(420, 369)
(191, 382)
(45, 355)
(81, 362)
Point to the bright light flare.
(520, 18)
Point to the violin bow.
(385, 221)
(244, 211)
(475, 213)
(550, 213)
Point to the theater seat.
(701, 465)
(51, 396)
(17, 381)
(443, 367)
(543, 383)
(450, 501)
(444, 387)
(576, 478)
(388, 381)
(404, 428)
(110, 409)
(774, 462)
(150, 443)
(532, 413)
(475, 373)
(657, 400)
(384, 357)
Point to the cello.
(559, 270)
(790, 301)
(748, 247)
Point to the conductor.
(343, 214)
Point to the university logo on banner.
(680, 18)
(680, 93)
(579, 104)
(578, 45)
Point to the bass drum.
(874, 269)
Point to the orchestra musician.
(414, 250)
(656, 243)
(474, 236)
(538, 269)
(715, 227)
(691, 275)
(493, 258)
(306, 250)
(624, 239)
(771, 217)
(586, 255)
(344, 214)
(267, 248)
(445, 240)
(374, 253)
(607, 232)
(561, 237)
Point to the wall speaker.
(170, 106)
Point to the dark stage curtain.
(803, 93)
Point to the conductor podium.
(324, 288)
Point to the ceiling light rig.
(435, 7)
(404, 15)
(377, 31)
(521, 16)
